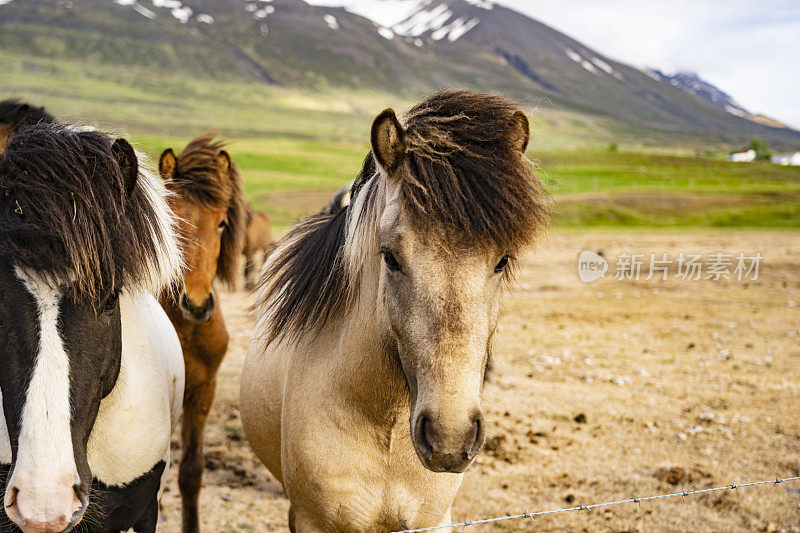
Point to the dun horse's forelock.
(463, 181)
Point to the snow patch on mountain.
(593, 64)
(424, 20)
(693, 84)
(385, 13)
(331, 21)
(488, 5)
(455, 29)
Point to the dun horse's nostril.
(425, 435)
(475, 438)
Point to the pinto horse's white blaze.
(45, 473)
(5, 440)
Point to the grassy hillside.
(295, 147)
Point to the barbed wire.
(637, 500)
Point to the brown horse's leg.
(249, 267)
(196, 405)
(291, 520)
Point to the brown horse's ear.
(20, 119)
(167, 163)
(388, 141)
(224, 163)
(520, 131)
(128, 163)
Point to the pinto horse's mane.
(197, 178)
(462, 182)
(67, 214)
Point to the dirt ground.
(600, 392)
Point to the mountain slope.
(427, 45)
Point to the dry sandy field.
(599, 392)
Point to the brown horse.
(361, 391)
(258, 239)
(208, 199)
(15, 115)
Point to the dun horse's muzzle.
(444, 449)
(198, 313)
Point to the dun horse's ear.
(224, 163)
(167, 163)
(520, 131)
(128, 163)
(388, 141)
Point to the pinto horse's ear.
(224, 163)
(167, 163)
(388, 141)
(520, 131)
(128, 163)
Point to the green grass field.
(295, 148)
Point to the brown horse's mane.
(67, 214)
(462, 180)
(197, 178)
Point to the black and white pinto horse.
(91, 371)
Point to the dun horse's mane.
(196, 177)
(66, 213)
(462, 182)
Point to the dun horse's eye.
(111, 301)
(389, 259)
(502, 264)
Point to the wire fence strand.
(637, 500)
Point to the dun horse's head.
(461, 203)
(79, 226)
(444, 205)
(208, 200)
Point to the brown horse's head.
(208, 199)
(15, 115)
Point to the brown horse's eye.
(222, 224)
(502, 264)
(389, 259)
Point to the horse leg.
(248, 272)
(148, 522)
(196, 406)
(291, 520)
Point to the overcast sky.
(748, 48)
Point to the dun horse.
(258, 239)
(15, 114)
(91, 371)
(208, 199)
(361, 391)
